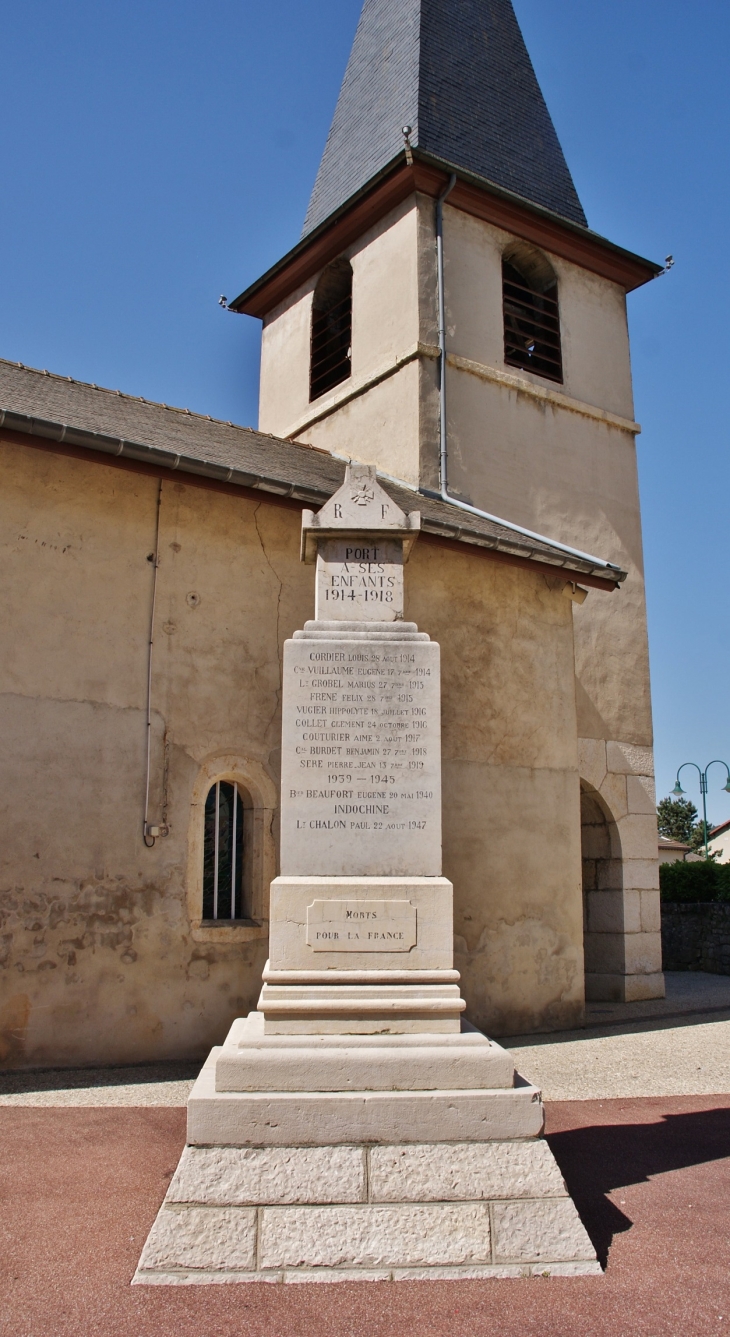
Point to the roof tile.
(460, 75)
(61, 409)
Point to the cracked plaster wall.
(99, 961)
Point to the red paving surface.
(79, 1189)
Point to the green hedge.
(703, 881)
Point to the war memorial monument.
(356, 1126)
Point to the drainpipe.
(443, 439)
(443, 432)
(149, 831)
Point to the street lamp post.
(703, 789)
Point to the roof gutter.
(136, 450)
(241, 303)
(591, 569)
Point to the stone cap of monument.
(360, 506)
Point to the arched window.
(531, 316)
(331, 351)
(226, 853)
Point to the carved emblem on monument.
(363, 495)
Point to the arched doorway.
(603, 900)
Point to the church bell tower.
(449, 317)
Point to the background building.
(719, 842)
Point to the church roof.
(458, 72)
(81, 416)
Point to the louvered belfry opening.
(331, 355)
(223, 854)
(531, 316)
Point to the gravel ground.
(667, 1047)
(650, 1059)
(154, 1084)
(138, 1094)
(689, 992)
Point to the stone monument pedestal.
(355, 1127)
(363, 1158)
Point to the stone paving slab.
(340, 1211)
(204, 1237)
(463, 1171)
(241, 1176)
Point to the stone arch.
(603, 898)
(532, 264)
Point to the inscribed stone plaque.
(359, 581)
(361, 926)
(361, 758)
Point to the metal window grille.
(531, 326)
(223, 853)
(331, 350)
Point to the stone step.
(323, 1118)
(253, 1061)
(351, 1009)
(333, 1213)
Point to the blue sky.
(157, 154)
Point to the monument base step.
(361, 1009)
(328, 1118)
(252, 1060)
(504, 1271)
(366, 1213)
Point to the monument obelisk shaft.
(360, 890)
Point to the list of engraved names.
(361, 758)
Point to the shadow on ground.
(598, 1159)
(15, 1082)
(692, 997)
(614, 1028)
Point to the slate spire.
(458, 72)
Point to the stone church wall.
(102, 954)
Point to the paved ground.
(80, 1186)
(678, 1045)
(79, 1189)
(148, 1084)
(689, 993)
